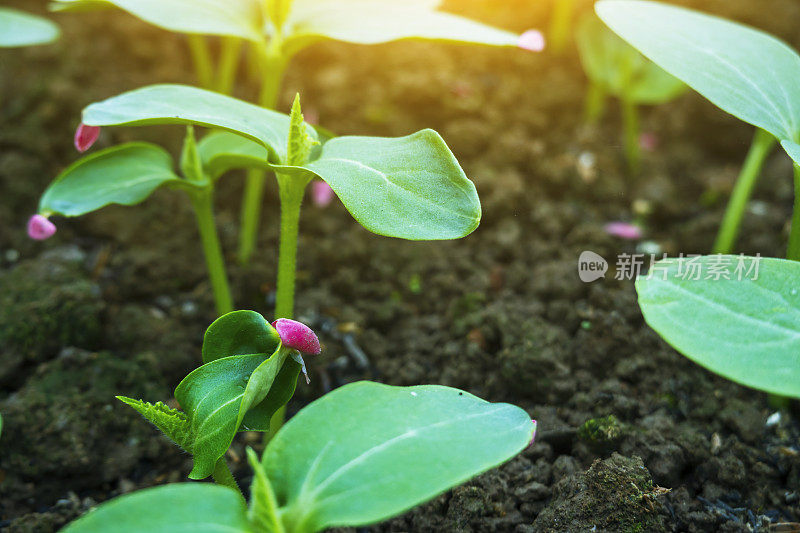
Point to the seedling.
(743, 71)
(737, 316)
(617, 69)
(361, 454)
(18, 28)
(408, 187)
(279, 29)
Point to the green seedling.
(279, 29)
(743, 71)
(737, 316)
(18, 28)
(409, 187)
(615, 68)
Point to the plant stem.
(762, 146)
(794, 234)
(630, 119)
(560, 24)
(201, 57)
(203, 202)
(291, 194)
(273, 66)
(595, 106)
(228, 64)
(222, 476)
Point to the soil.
(632, 436)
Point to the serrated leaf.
(234, 18)
(126, 174)
(18, 28)
(745, 329)
(367, 451)
(182, 507)
(239, 333)
(172, 422)
(301, 143)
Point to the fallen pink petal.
(321, 194)
(85, 137)
(624, 230)
(532, 40)
(40, 228)
(297, 336)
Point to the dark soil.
(633, 437)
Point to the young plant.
(743, 71)
(279, 29)
(615, 68)
(361, 454)
(737, 316)
(18, 28)
(408, 187)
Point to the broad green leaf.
(619, 69)
(173, 423)
(381, 21)
(125, 174)
(793, 149)
(367, 451)
(18, 28)
(745, 72)
(743, 328)
(407, 187)
(221, 151)
(178, 508)
(235, 18)
(239, 333)
(181, 104)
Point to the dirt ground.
(632, 436)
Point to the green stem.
(630, 118)
(222, 476)
(203, 202)
(201, 56)
(762, 146)
(595, 103)
(228, 64)
(794, 234)
(291, 194)
(560, 24)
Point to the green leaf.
(239, 333)
(793, 149)
(173, 423)
(367, 451)
(221, 151)
(235, 18)
(381, 21)
(301, 143)
(263, 506)
(178, 508)
(619, 69)
(745, 72)
(18, 28)
(747, 331)
(408, 187)
(125, 174)
(181, 104)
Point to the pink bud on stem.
(85, 137)
(299, 337)
(40, 228)
(321, 193)
(623, 230)
(532, 40)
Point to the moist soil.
(632, 436)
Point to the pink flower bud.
(321, 193)
(298, 336)
(39, 228)
(85, 137)
(532, 40)
(623, 230)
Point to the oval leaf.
(745, 72)
(367, 451)
(408, 187)
(195, 507)
(18, 28)
(239, 333)
(747, 331)
(125, 175)
(222, 151)
(235, 18)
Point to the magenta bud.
(532, 40)
(297, 336)
(39, 228)
(85, 137)
(321, 193)
(623, 230)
